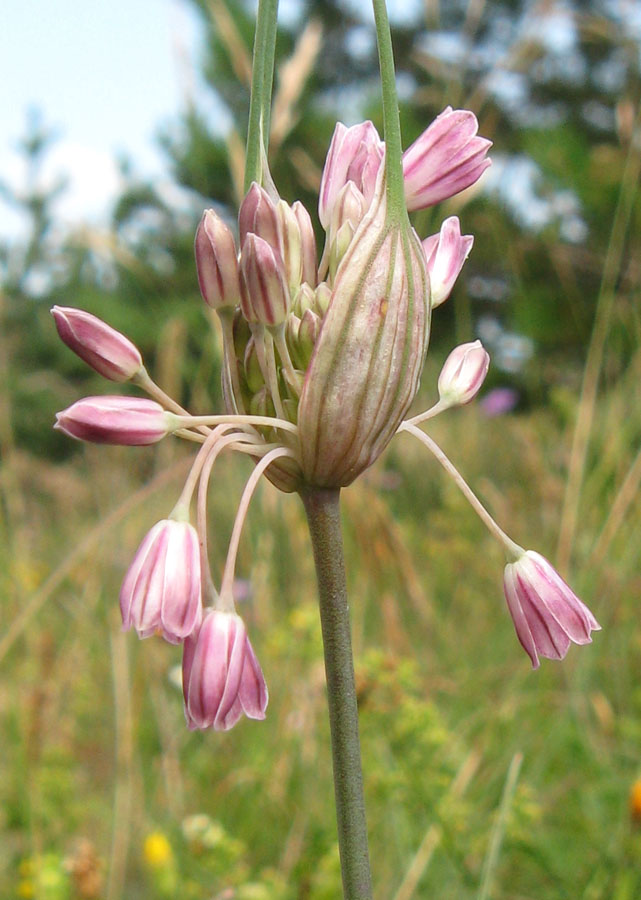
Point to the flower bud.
(106, 350)
(463, 373)
(546, 612)
(308, 244)
(367, 360)
(291, 245)
(447, 158)
(445, 254)
(264, 296)
(257, 215)
(355, 154)
(161, 590)
(305, 299)
(216, 262)
(222, 678)
(129, 421)
(348, 207)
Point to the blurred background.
(483, 779)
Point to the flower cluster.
(322, 360)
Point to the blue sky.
(105, 74)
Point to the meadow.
(484, 780)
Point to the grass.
(483, 778)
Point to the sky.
(105, 75)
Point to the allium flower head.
(222, 678)
(547, 614)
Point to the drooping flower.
(129, 421)
(445, 254)
(222, 679)
(162, 588)
(546, 612)
(106, 350)
(463, 373)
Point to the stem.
(323, 517)
(261, 90)
(512, 550)
(188, 421)
(396, 210)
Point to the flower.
(445, 253)
(129, 421)
(222, 678)
(546, 612)
(355, 155)
(103, 348)
(161, 590)
(463, 373)
(216, 262)
(445, 159)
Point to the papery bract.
(128, 421)
(106, 350)
(367, 360)
(222, 678)
(162, 588)
(446, 158)
(445, 254)
(547, 614)
(463, 373)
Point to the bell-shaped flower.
(161, 591)
(445, 254)
(216, 262)
(547, 614)
(368, 357)
(128, 421)
(462, 374)
(222, 678)
(106, 350)
(355, 154)
(447, 158)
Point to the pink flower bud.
(221, 675)
(161, 590)
(291, 245)
(447, 158)
(354, 154)
(216, 262)
(546, 612)
(308, 244)
(264, 296)
(368, 357)
(106, 350)
(445, 254)
(257, 215)
(349, 206)
(130, 421)
(463, 373)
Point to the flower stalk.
(322, 507)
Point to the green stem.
(323, 516)
(396, 209)
(261, 90)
